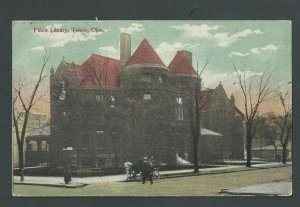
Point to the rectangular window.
(179, 108)
(179, 100)
(99, 139)
(112, 101)
(160, 79)
(147, 96)
(179, 112)
(146, 79)
(99, 97)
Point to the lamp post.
(68, 154)
(98, 133)
(67, 173)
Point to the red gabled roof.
(99, 71)
(145, 54)
(238, 113)
(203, 98)
(204, 95)
(78, 71)
(180, 64)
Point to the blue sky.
(251, 46)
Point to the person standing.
(147, 170)
(67, 176)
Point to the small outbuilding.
(270, 153)
(210, 146)
(37, 146)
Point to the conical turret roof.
(145, 54)
(180, 64)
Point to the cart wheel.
(141, 176)
(156, 175)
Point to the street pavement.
(80, 182)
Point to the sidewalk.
(81, 182)
(282, 188)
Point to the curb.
(78, 185)
(176, 175)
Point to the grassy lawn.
(203, 185)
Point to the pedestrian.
(67, 176)
(147, 170)
(278, 157)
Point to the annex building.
(105, 111)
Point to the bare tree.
(268, 131)
(284, 123)
(252, 100)
(195, 110)
(26, 107)
(98, 77)
(271, 132)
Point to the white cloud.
(108, 49)
(38, 48)
(228, 80)
(59, 39)
(202, 30)
(256, 50)
(247, 73)
(165, 47)
(269, 48)
(257, 31)
(134, 27)
(238, 54)
(168, 50)
(223, 39)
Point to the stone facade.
(109, 111)
(221, 115)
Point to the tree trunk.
(195, 150)
(21, 161)
(275, 147)
(248, 149)
(197, 131)
(284, 154)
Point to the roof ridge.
(94, 54)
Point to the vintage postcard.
(152, 108)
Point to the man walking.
(147, 170)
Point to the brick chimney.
(187, 55)
(125, 49)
